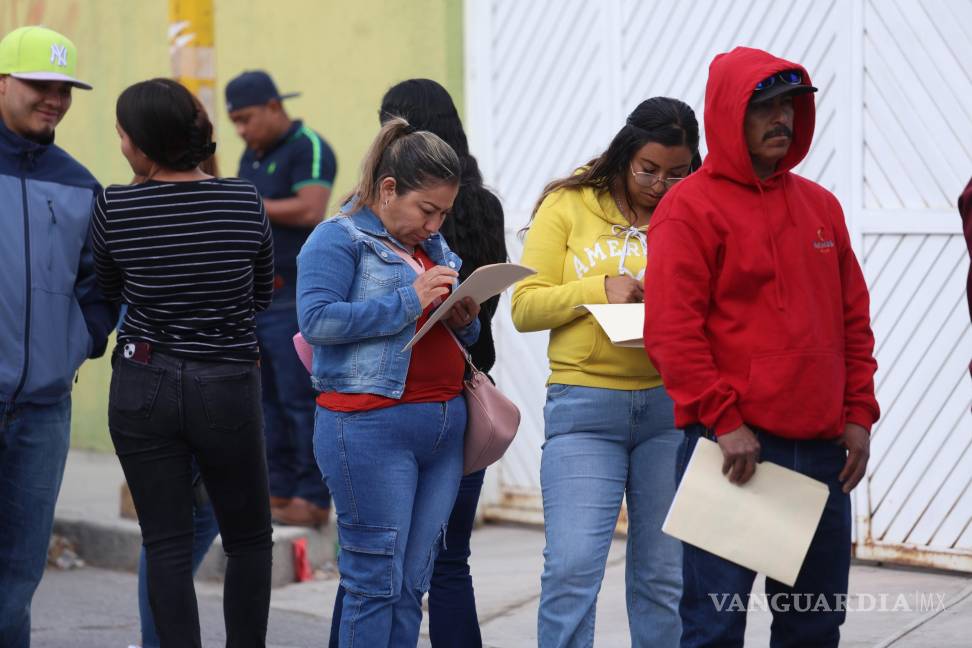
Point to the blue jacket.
(52, 315)
(357, 307)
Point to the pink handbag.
(492, 419)
(305, 352)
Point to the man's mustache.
(779, 131)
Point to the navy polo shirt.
(300, 158)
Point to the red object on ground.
(302, 566)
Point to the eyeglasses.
(645, 179)
(789, 77)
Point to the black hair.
(167, 123)
(662, 120)
(475, 230)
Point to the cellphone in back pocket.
(140, 352)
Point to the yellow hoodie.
(578, 238)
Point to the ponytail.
(413, 158)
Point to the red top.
(756, 309)
(435, 370)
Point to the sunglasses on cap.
(788, 77)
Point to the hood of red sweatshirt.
(732, 78)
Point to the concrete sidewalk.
(921, 608)
(87, 514)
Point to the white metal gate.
(550, 81)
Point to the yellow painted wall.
(341, 54)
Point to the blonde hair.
(413, 158)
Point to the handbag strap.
(419, 269)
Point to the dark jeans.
(288, 406)
(205, 531)
(453, 622)
(161, 415)
(822, 581)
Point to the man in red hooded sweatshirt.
(757, 317)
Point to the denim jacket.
(357, 307)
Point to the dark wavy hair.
(475, 229)
(167, 123)
(663, 120)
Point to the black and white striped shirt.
(193, 261)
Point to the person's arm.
(311, 177)
(861, 408)
(98, 305)
(306, 209)
(965, 211)
(678, 280)
(547, 300)
(463, 319)
(263, 267)
(860, 405)
(326, 269)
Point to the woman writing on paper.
(475, 231)
(389, 427)
(608, 422)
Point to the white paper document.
(485, 282)
(624, 324)
(766, 524)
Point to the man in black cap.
(757, 317)
(293, 168)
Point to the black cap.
(781, 88)
(253, 88)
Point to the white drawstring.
(630, 232)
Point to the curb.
(115, 544)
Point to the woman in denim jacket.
(390, 422)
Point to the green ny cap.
(39, 54)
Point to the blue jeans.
(453, 622)
(393, 474)
(288, 405)
(204, 532)
(603, 444)
(824, 572)
(34, 442)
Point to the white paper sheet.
(766, 524)
(623, 323)
(485, 282)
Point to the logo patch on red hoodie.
(823, 244)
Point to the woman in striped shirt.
(192, 256)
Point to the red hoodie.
(756, 310)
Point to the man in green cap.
(52, 316)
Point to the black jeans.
(160, 415)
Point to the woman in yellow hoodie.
(608, 422)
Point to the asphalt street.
(97, 608)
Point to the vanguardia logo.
(59, 55)
(786, 602)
